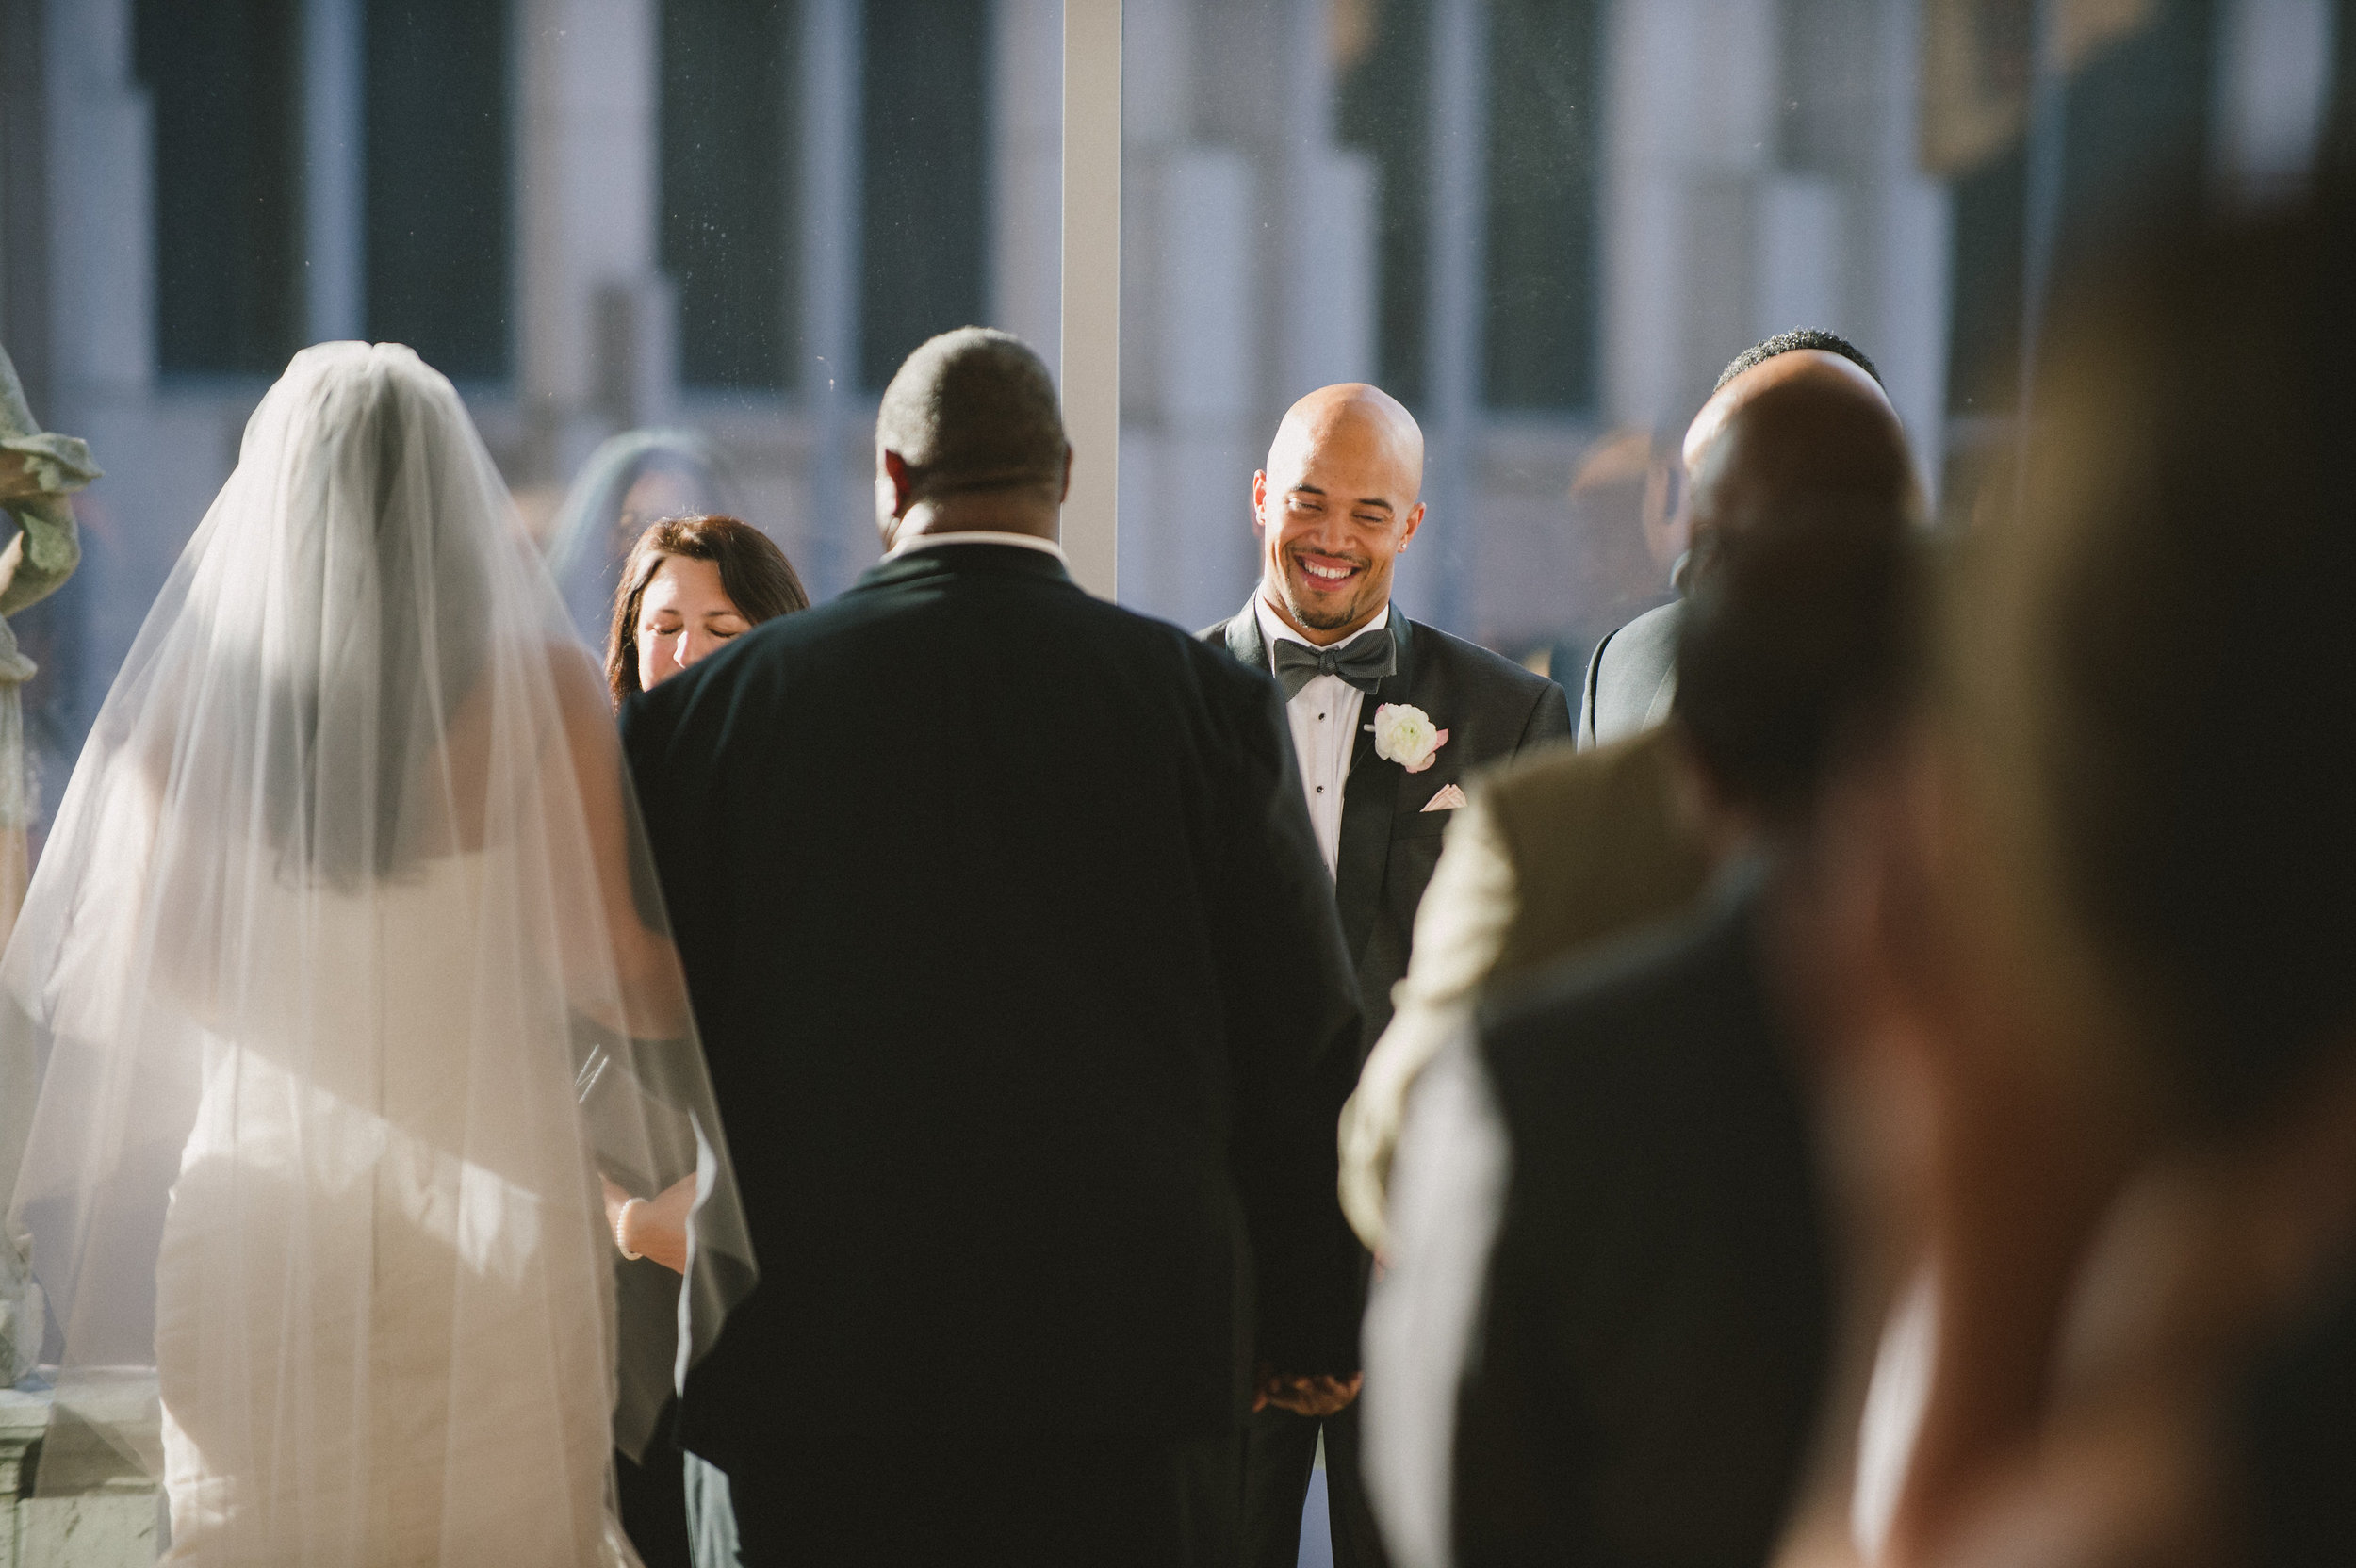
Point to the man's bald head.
(1803, 423)
(1339, 499)
(1353, 417)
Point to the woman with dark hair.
(691, 584)
(687, 586)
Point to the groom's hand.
(1317, 1396)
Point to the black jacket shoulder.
(1486, 676)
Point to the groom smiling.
(1387, 716)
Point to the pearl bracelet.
(621, 1228)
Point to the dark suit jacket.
(1632, 678)
(1657, 1317)
(1026, 1008)
(1491, 708)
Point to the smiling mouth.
(1325, 571)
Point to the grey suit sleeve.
(1587, 695)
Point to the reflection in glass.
(221, 74)
(439, 183)
(926, 132)
(728, 124)
(635, 479)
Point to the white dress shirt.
(913, 541)
(1325, 730)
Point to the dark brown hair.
(754, 572)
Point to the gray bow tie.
(1363, 660)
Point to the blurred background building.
(1545, 224)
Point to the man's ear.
(1414, 521)
(1065, 494)
(1259, 500)
(903, 486)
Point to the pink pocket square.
(1448, 799)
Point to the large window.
(440, 151)
(1538, 340)
(2133, 142)
(1543, 225)
(923, 219)
(728, 168)
(1383, 107)
(226, 99)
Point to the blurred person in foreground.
(1387, 715)
(691, 586)
(1631, 675)
(1610, 1306)
(633, 479)
(2136, 1027)
(1564, 849)
(1028, 1002)
(345, 998)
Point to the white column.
(841, 536)
(1026, 174)
(1192, 361)
(1091, 289)
(1434, 577)
(1325, 244)
(102, 235)
(101, 299)
(1911, 218)
(1191, 539)
(335, 171)
(1690, 133)
(586, 289)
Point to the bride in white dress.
(349, 987)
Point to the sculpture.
(37, 472)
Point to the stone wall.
(101, 1514)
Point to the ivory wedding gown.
(346, 986)
(447, 1392)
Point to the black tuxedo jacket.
(1491, 708)
(1657, 1320)
(1026, 1008)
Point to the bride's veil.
(345, 981)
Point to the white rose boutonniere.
(1403, 734)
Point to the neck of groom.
(905, 511)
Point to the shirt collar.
(915, 542)
(1273, 626)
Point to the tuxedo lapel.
(1368, 803)
(1244, 642)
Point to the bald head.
(1354, 419)
(1803, 423)
(1339, 499)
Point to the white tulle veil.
(344, 979)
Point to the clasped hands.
(653, 1227)
(1317, 1396)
